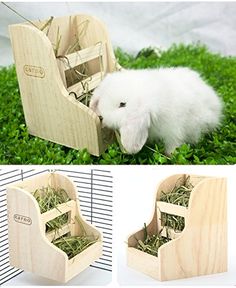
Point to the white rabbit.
(170, 104)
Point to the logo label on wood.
(34, 71)
(22, 219)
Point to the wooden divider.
(91, 82)
(87, 54)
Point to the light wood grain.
(29, 246)
(91, 81)
(52, 235)
(60, 210)
(85, 55)
(164, 207)
(170, 233)
(171, 208)
(149, 264)
(201, 248)
(50, 112)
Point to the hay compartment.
(30, 247)
(201, 248)
(47, 90)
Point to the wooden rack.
(51, 91)
(201, 248)
(30, 246)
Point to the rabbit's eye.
(122, 104)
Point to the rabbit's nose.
(100, 117)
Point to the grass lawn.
(18, 147)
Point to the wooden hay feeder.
(30, 247)
(201, 248)
(55, 67)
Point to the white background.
(88, 277)
(135, 25)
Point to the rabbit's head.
(118, 103)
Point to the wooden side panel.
(144, 262)
(28, 247)
(84, 259)
(202, 247)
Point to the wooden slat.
(61, 209)
(170, 233)
(60, 232)
(172, 209)
(85, 55)
(92, 83)
(159, 224)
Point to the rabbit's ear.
(94, 102)
(134, 133)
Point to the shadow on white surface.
(89, 277)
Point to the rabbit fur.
(170, 104)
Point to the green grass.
(18, 147)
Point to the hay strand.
(18, 14)
(151, 243)
(73, 245)
(58, 41)
(49, 198)
(47, 25)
